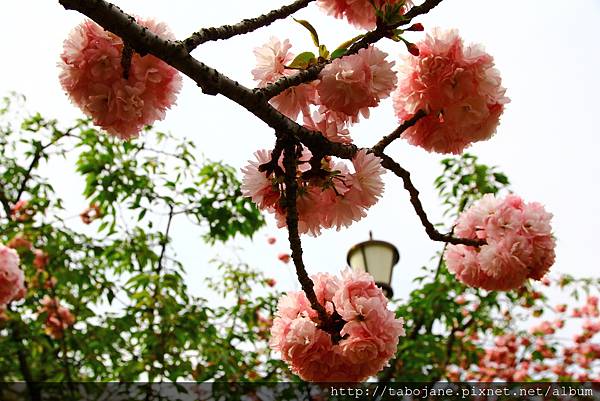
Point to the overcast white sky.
(547, 143)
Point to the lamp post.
(377, 258)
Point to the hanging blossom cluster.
(361, 13)
(12, 279)
(368, 331)
(457, 86)
(335, 197)
(92, 74)
(519, 243)
(58, 317)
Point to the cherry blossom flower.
(336, 200)
(519, 244)
(367, 340)
(360, 13)
(354, 83)
(458, 87)
(12, 279)
(271, 60)
(92, 75)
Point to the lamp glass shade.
(375, 257)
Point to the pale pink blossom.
(458, 88)
(12, 279)
(367, 340)
(352, 84)
(271, 61)
(92, 75)
(334, 200)
(257, 186)
(360, 13)
(519, 244)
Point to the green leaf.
(311, 29)
(337, 53)
(303, 60)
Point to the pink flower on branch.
(92, 75)
(12, 279)
(360, 346)
(519, 244)
(334, 198)
(458, 87)
(352, 84)
(272, 59)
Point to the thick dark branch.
(246, 26)
(386, 140)
(291, 191)
(431, 231)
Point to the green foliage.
(464, 180)
(135, 317)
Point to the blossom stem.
(246, 26)
(291, 191)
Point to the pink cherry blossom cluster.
(368, 333)
(58, 317)
(360, 13)
(92, 75)
(458, 87)
(519, 243)
(334, 200)
(12, 279)
(346, 87)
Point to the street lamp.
(377, 258)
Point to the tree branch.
(291, 218)
(386, 140)
(431, 231)
(241, 28)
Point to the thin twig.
(386, 140)
(431, 231)
(246, 26)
